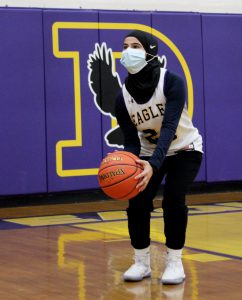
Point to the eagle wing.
(104, 82)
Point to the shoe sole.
(129, 278)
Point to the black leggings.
(180, 171)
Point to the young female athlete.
(152, 115)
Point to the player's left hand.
(145, 175)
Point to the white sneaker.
(141, 268)
(174, 271)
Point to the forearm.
(175, 94)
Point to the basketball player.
(152, 115)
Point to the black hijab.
(142, 85)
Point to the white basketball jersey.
(148, 118)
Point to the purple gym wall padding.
(67, 120)
(22, 113)
(52, 65)
(222, 47)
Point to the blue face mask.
(133, 60)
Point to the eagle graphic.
(104, 83)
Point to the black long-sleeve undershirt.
(174, 92)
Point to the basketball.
(116, 175)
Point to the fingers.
(143, 165)
(142, 184)
(144, 176)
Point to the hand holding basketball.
(145, 175)
(117, 175)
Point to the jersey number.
(150, 135)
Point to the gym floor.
(80, 251)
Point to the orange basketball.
(116, 175)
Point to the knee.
(140, 204)
(176, 204)
(174, 199)
(135, 212)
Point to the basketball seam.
(123, 164)
(122, 179)
(127, 154)
(123, 198)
